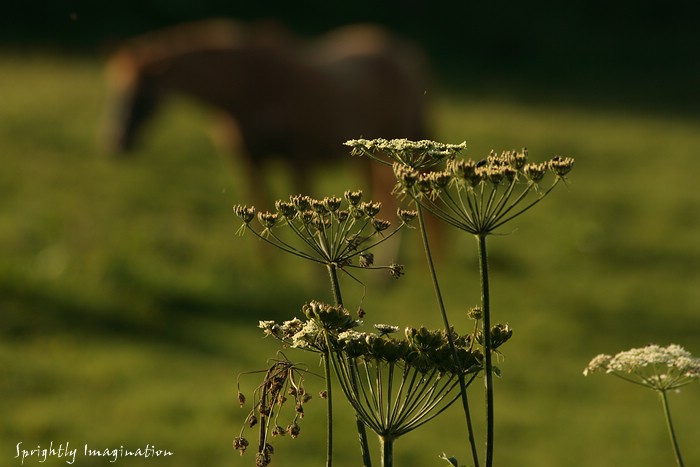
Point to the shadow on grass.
(172, 317)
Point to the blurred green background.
(128, 306)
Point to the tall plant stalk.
(387, 445)
(671, 431)
(486, 330)
(446, 323)
(361, 430)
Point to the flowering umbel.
(396, 385)
(474, 196)
(332, 231)
(417, 155)
(658, 368)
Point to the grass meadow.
(128, 306)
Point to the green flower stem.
(335, 284)
(361, 430)
(671, 431)
(387, 443)
(486, 322)
(446, 322)
(329, 410)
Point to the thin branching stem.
(448, 330)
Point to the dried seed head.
(406, 175)
(240, 444)
(535, 172)
(343, 215)
(370, 208)
(241, 398)
(475, 313)
(424, 184)
(380, 225)
(244, 212)
(500, 334)
(406, 216)
(396, 270)
(517, 159)
(332, 203)
(293, 429)
(366, 259)
(302, 203)
(287, 209)
(265, 411)
(262, 459)
(353, 197)
(440, 180)
(318, 206)
(268, 219)
(561, 165)
(464, 170)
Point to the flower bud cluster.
(500, 334)
(331, 230)
(480, 196)
(331, 318)
(422, 349)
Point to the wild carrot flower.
(322, 319)
(658, 368)
(418, 155)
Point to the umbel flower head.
(475, 196)
(417, 155)
(658, 368)
(332, 231)
(396, 385)
(322, 320)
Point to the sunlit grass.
(129, 306)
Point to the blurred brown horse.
(287, 98)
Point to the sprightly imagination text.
(69, 454)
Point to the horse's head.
(134, 95)
(210, 61)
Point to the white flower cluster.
(415, 154)
(402, 144)
(660, 368)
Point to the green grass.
(128, 306)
